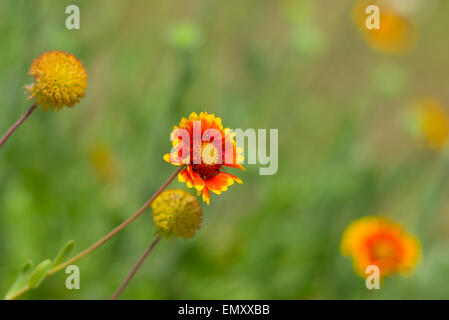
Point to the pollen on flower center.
(209, 154)
(209, 166)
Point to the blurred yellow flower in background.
(375, 240)
(177, 213)
(397, 33)
(433, 122)
(104, 162)
(59, 80)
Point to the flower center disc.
(209, 166)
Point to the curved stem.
(135, 268)
(16, 125)
(105, 238)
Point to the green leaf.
(21, 279)
(64, 253)
(39, 274)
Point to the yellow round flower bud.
(59, 80)
(177, 213)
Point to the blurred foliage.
(299, 66)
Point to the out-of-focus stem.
(134, 269)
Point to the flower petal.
(198, 182)
(167, 157)
(206, 196)
(232, 177)
(184, 176)
(235, 165)
(220, 183)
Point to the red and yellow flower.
(378, 241)
(205, 148)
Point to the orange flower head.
(396, 33)
(59, 80)
(378, 241)
(205, 148)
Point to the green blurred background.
(298, 66)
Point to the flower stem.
(135, 268)
(16, 125)
(105, 238)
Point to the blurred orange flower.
(396, 34)
(378, 241)
(204, 153)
